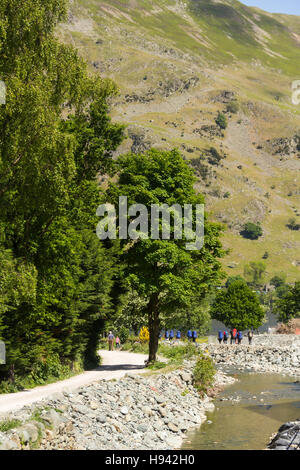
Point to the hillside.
(177, 64)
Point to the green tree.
(238, 307)
(55, 137)
(252, 231)
(163, 272)
(254, 273)
(232, 279)
(288, 306)
(278, 280)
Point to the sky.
(291, 7)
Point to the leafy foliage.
(288, 306)
(238, 307)
(252, 231)
(204, 373)
(166, 275)
(55, 136)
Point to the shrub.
(221, 121)
(293, 225)
(204, 373)
(144, 335)
(252, 231)
(232, 107)
(123, 334)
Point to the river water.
(263, 403)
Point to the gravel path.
(115, 364)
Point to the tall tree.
(55, 136)
(164, 272)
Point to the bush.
(204, 373)
(232, 107)
(252, 231)
(221, 121)
(123, 334)
(293, 225)
(178, 353)
(144, 335)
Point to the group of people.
(170, 335)
(111, 340)
(235, 336)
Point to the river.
(247, 413)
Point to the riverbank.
(133, 413)
(274, 354)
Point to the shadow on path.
(114, 367)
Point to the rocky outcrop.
(164, 90)
(287, 438)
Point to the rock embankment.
(135, 412)
(277, 354)
(287, 438)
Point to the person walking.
(225, 337)
(178, 335)
(220, 336)
(194, 336)
(250, 336)
(189, 335)
(110, 341)
(234, 331)
(171, 335)
(167, 335)
(118, 342)
(239, 337)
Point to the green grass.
(7, 425)
(200, 37)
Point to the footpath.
(115, 364)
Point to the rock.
(124, 410)
(173, 427)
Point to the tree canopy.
(238, 307)
(163, 272)
(288, 306)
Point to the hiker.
(178, 335)
(239, 337)
(117, 342)
(194, 336)
(171, 335)
(220, 336)
(234, 331)
(189, 335)
(167, 334)
(250, 336)
(225, 337)
(111, 341)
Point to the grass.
(9, 424)
(148, 27)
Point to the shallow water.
(265, 403)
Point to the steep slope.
(177, 65)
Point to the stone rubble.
(133, 413)
(277, 354)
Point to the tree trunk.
(153, 317)
(12, 374)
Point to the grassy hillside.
(177, 65)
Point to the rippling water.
(265, 403)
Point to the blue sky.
(292, 7)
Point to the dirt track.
(115, 364)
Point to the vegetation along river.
(247, 413)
